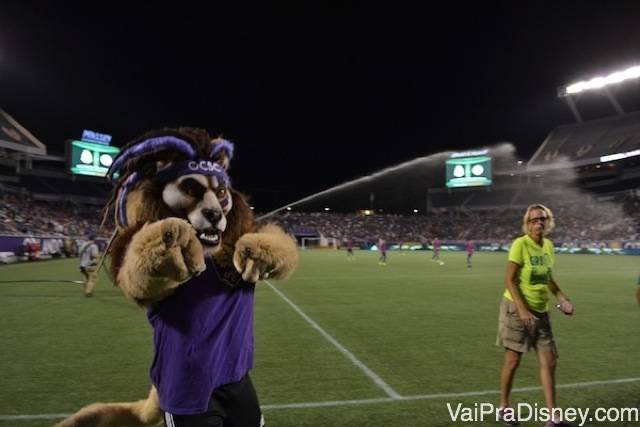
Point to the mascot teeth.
(209, 239)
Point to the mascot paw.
(166, 249)
(179, 253)
(161, 255)
(181, 243)
(270, 253)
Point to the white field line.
(32, 417)
(356, 402)
(438, 396)
(368, 372)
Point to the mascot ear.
(221, 152)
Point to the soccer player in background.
(436, 251)
(470, 249)
(382, 248)
(350, 255)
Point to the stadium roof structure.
(587, 143)
(15, 137)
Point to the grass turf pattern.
(424, 329)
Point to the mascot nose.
(212, 215)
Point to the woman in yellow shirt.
(524, 318)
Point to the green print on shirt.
(539, 260)
(539, 273)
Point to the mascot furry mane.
(174, 206)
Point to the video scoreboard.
(91, 156)
(469, 169)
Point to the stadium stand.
(439, 198)
(585, 143)
(87, 191)
(491, 199)
(496, 225)
(603, 153)
(40, 201)
(39, 197)
(20, 214)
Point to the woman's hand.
(565, 306)
(528, 319)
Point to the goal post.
(319, 243)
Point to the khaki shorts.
(513, 335)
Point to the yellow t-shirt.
(535, 264)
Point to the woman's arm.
(511, 283)
(563, 302)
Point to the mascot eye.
(192, 188)
(221, 192)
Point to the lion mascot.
(187, 248)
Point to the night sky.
(312, 95)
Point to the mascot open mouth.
(209, 237)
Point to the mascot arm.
(160, 256)
(268, 253)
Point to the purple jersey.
(203, 338)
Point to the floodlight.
(600, 81)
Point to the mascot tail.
(141, 413)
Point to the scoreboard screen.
(472, 171)
(88, 158)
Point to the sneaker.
(507, 417)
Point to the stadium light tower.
(601, 83)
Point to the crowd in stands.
(594, 223)
(21, 215)
(577, 224)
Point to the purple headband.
(188, 167)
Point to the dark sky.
(312, 95)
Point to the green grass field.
(423, 330)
